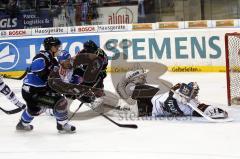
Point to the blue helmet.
(63, 55)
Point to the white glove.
(215, 112)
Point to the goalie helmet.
(195, 89)
(90, 46)
(50, 41)
(190, 90)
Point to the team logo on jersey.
(9, 56)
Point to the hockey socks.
(62, 122)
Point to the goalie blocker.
(149, 102)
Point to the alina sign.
(123, 15)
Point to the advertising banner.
(7, 23)
(194, 50)
(117, 15)
(26, 19)
(82, 29)
(17, 54)
(41, 19)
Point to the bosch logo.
(9, 56)
(3, 33)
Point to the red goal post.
(232, 49)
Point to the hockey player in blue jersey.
(38, 95)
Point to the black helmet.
(51, 41)
(90, 46)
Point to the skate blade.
(66, 132)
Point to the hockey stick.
(80, 105)
(133, 126)
(75, 111)
(17, 78)
(14, 111)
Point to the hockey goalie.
(147, 101)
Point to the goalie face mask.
(195, 89)
(188, 90)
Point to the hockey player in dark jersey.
(38, 95)
(92, 48)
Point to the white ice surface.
(98, 138)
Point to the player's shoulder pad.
(38, 64)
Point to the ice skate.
(23, 126)
(66, 128)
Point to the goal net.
(232, 46)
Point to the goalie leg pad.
(145, 107)
(144, 91)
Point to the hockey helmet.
(195, 89)
(63, 55)
(64, 58)
(90, 46)
(51, 41)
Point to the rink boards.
(181, 50)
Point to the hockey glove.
(87, 98)
(103, 74)
(214, 112)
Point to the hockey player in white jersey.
(10, 95)
(175, 102)
(66, 74)
(69, 74)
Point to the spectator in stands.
(12, 8)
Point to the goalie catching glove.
(212, 111)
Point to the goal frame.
(227, 64)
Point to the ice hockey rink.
(96, 137)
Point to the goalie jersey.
(176, 107)
(176, 101)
